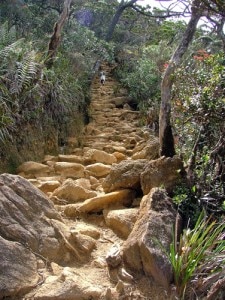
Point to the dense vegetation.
(41, 104)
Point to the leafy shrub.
(187, 203)
(143, 76)
(198, 114)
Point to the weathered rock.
(91, 130)
(164, 171)
(113, 257)
(100, 202)
(48, 186)
(141, 251)
(70, 158)
(119, 156)
(56, 269)
(86, 229)
(84, 243)
(127, 106)
(84, 182)
(71, 210)
(126, 174)
(33, 169)
(148, 150)
(100, 156)
(98, 169)
(50, 158)
(69, 169)
(29, 224)
(72, 192)
(94, 182)
(130, 142)
(121, 221)
(130, 114)
(18, 269)
(68, 286)
(120, 149)
(26, 216)
(119, 101)
(125, 276)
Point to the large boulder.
(121, 221)
(18, 267)
(73, 192)
(67, 285)
(121, 197)
(100, 156)
(120, 101)
(98, 170)
(97, 204)
(124, 175)
(144, 250)
(32, 169)
(29, 226)
(69, 169)
(165, 171)
(27, 216)
(148, 150)
(48, 186)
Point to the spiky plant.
(198, 259)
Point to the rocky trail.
(80, 225)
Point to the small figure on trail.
(102, 77)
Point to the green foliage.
(198, 112)
(186, 200)
(198, 95)
(142, 75)
(31, 94)
(84, 41)
(100, 13)
(7, 35)
(169, 31)
(198, 256)
(147, 75)
(17, 14)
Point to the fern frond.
(4, 134)
(5, 121)
(14, 48)
(7, 36)
(27, 70)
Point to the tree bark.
(220, 31)
(167, 147)
(56, 36)
(122, 6)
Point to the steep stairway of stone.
(112, 135)
(98, 211)
(112, 123)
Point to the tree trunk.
(165, 129)
(122, 6)
(114, 22)
(220, 32)
(55, 38)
